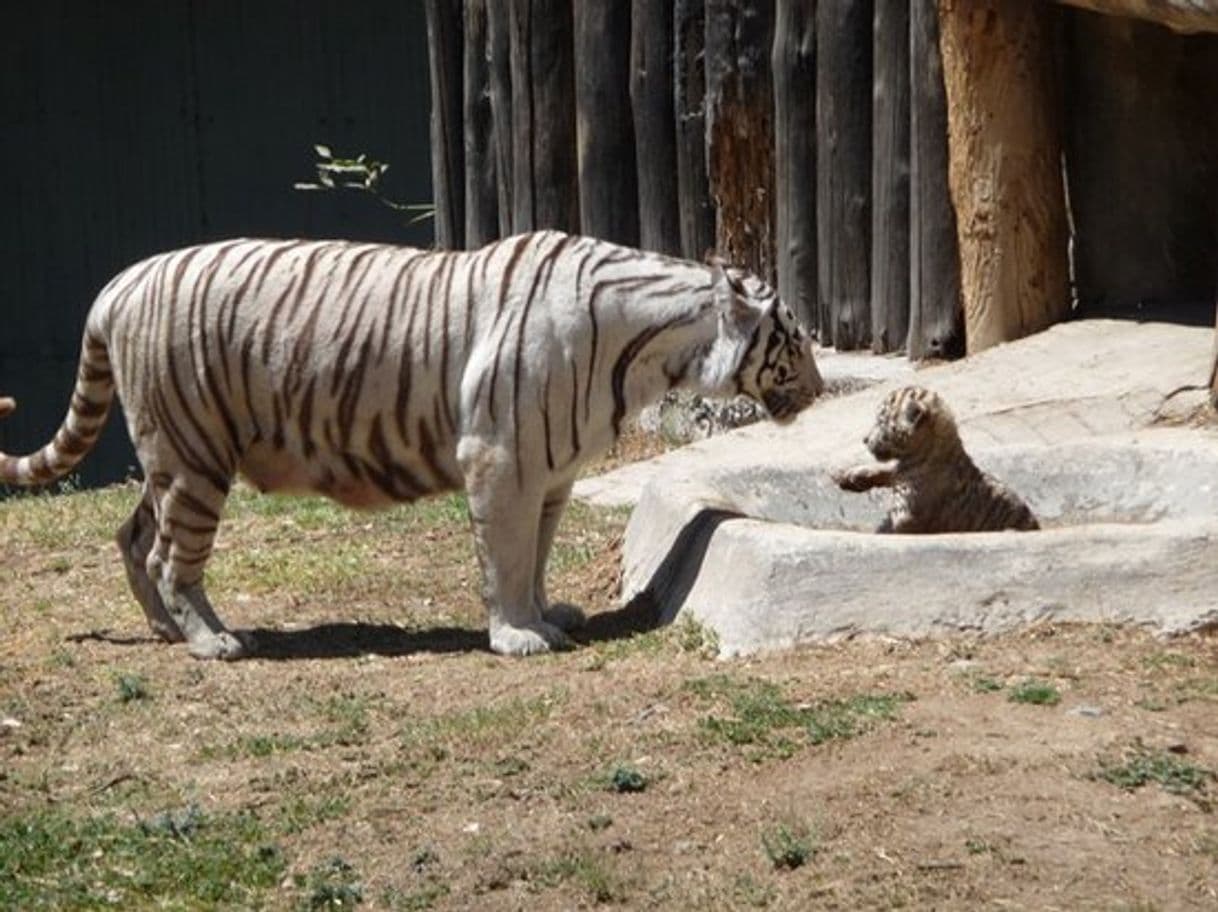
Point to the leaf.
(323, 151)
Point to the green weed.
(51, 859)
(787, 846)
(332, 884)
(1038, 693)
(131, 687)
(1167, 770)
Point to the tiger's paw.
(223, 645)
(536, 638)
(853, 479)
(565, 616)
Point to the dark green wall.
(132, 127)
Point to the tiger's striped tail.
(91, 399)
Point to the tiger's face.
(779, 370)
(911, 421)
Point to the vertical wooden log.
(936, 319)
(1005, 166)
(740, 130)
(445, 55)
(843, 161)
(481, 191)
(655, 136)
(608, 179)
(696, 216)
(545, 186)
(890, 179)
(499, 52)
(794, 66)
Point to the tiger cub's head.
(776, 366)
(912, 423)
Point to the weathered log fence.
(809, 141)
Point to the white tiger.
(378, 374)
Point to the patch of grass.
(586, 870)
(788, 846)
(1038, 693)
(307, 811)
(131, 687)
(1158, 661)
(762, 717)
(1172, 773)
(51, 859)
(69, 520)
(332, 884)
(626, 778)
(984, 684)
(414, 900)
(483, 727)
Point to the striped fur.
(378, 374)
(938, 487)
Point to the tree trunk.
(545, 191)
(890, 180)
(1005, 166)
(739, 130)
(696, 216)
(794, 65)
(936, 319)
(608, 179)
(481, 192)
(843, 164)
(444, 44)
(499, 51)
(651, 96)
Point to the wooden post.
(444, 44)
(890, 179)
(936, 319)
(843, 166)
(1005, 166)
(499, 53)
(481, 191)
(608, 179)
(655, 128)
(794, 65)
(740, 130)
(696, 216)
(545, 192)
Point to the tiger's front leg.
(865, 477)
(506, 520)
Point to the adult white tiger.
(378, 374)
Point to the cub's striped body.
(378, 374)
(938, 487)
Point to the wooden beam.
(655, 126)
(1004, 125)
(843, 168)
(1179, 15)
(740, 130)
(696, 216)
(794, 64)
(445, 58)
(608, 178)
(499, 52)
(890, 179)
(936, 319)
(481, 185)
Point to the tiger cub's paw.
(857, 479)
(565, 616)
(523, 641)
(222, 645)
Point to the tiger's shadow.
(342, 640)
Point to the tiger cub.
(377, 374)
(938, 487)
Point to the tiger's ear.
(736, 315)
(914, 412)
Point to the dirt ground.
(392, 761)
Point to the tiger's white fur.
(378, 374)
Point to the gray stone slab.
(747, 534)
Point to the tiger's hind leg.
(187, 513)
(562, 615)
(136, 538)
(506, 517)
